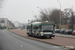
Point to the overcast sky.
(21, 10)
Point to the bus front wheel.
(50, 37)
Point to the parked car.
(73, 33)
(57, 30)
(68, 32)
(62, 31)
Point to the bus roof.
(40, 23)
(36, 23)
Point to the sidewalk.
(61, 41)
(65, 35)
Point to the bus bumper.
(50, 35)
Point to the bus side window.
(39, 26)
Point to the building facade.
(16, 24)
(4, 22)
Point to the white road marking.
(16, 42)
(21, 45)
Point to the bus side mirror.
(54, 25)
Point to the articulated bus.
(41, 29)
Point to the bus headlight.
(53, 34)
(41, 33)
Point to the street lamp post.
(72, 17)
(60, 13)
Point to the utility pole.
(72, 17)
(72, 20)
(60, 13)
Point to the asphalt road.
(10, 41)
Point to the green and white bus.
(41, 29)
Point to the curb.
(65, 37)
(70, 48)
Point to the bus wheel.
(38, 35)
(41, 37)
(28, 35)
(50, 37)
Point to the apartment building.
(4, 22)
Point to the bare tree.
(55, 16)
(51, 15)
(44, 15)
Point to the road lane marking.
(56, 47)
(16, 42)
(21, 45)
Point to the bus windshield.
(47, 27)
